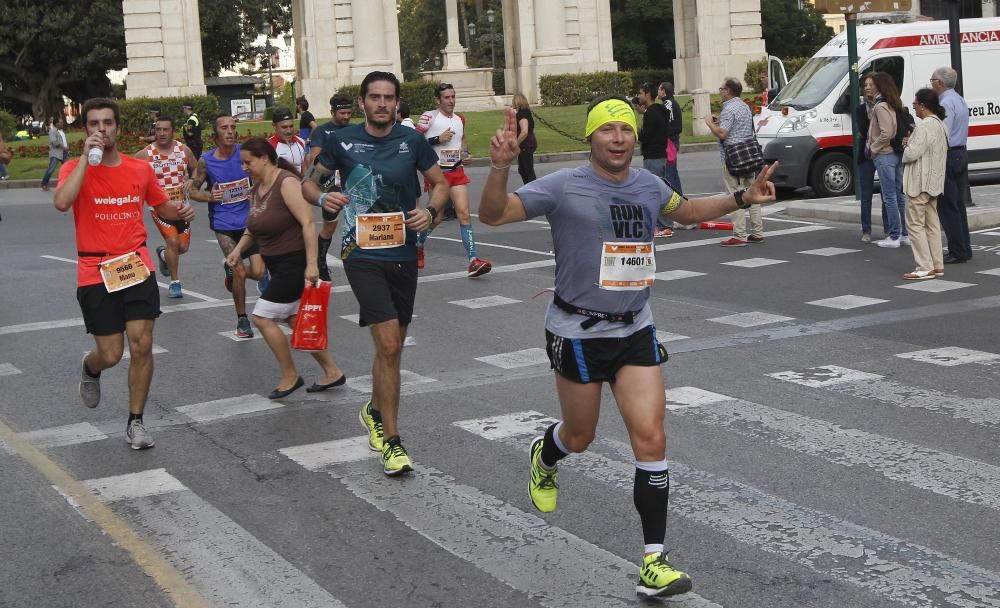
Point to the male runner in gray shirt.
(599, 327)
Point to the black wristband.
(433, 212)
(434, 140)
(738, 195)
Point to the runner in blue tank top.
(228, 198)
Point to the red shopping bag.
(310, 327)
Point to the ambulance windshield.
(811, 84)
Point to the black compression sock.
(132, 417)
(551, 454)
(87, 371)
(650, 496)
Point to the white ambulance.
(807, 126)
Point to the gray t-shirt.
(584, 211)
(56, 144)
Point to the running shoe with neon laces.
(263, 282)
(478, 267)
(243, 329)
(90, 387)
(420, 258)
(373, 426)
(228, 282)
(658, 578)
(395, 460)
(162, 257)
(542, 486)
(175, 291)
(137, 436)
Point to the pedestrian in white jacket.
(924, 156)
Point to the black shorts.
(236, 235)
(288, 277)
(599, 359)
(105, 314)
(384, 290)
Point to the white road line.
(363, 384)
(847, 302)
(751, 319)
(552, 566)
(935, 286)
(59, 259)
(127, 354)
(992, 271)
(950, 356)
(520, 358)
(754, 262)
(890, 567)
(220, 558)
(666, 336)
(829, 251)
(946, 474)
(715, 240)
(8, 369)
(70, 434)
(484, 244)
(674, 275)
(231, 334)
(225, 408)
(873, 387)
(788, 221)
(485, 302)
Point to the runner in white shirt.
(285, 142)
(445, 131)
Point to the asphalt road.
(832, 434)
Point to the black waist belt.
(91, 254)
(596, 315)
(956, 148)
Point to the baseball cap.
(280, 114)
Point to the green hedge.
(135, 112)
(573, 89)
(794, 64)
(8, 125)
(755, 75)
(419, 94)
(654, 76)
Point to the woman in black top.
(307, 122)
(526, 138)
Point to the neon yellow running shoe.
(374, 427)
(658, 578)
(542, 486)
(395, 460)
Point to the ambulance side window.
(890, 65)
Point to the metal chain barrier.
(548, 124)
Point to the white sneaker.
(137, 436)
(904, 240)
(888, 243)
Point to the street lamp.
(472, 32)
(266, 30)
(491, 17)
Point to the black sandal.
(318, 388)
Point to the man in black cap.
(192, 130)
(285, 142)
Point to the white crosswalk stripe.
(520, 358)
(847, 302)
(226, 563)
(893, 568)
(950, 356)
(874, 387)
(935, 286)
(8, 369)
(554, 567)
(957, 477)
(751, 319)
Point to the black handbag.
(744, 158)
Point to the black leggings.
(526, 165)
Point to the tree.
(642, 33)
(49, 49)
(229, 30)
(791, 32)
(422, 34)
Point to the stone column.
(164, 54)
(550, 26)
(454, 53)
(704, 57)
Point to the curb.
(986, 214)
(554, 157)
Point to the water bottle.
(95, 156)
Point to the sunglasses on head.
(444, 86)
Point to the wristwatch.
(433, 212)
(738, 195)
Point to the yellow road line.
(179, 590)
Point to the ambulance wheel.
(832, 175)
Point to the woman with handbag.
(281, 223)
(878, 147)
(741, 158)
(925, 153)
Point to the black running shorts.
(599, 359)
(384, 290)
(236, 235)
(105, 314)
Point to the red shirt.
(108, 213)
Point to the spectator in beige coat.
(924, 155)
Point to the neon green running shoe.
(658, 578)
(374, 427)
(542, 486)
(395, 460)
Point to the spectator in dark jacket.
(653, 139)
(866, 168)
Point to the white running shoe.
(137, 436)
(888, 243)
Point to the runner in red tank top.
(117, 292)
(173, 162)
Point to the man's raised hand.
(762, 189)
(503, 146)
